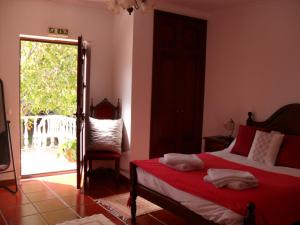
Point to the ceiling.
(203, 5)
(208, 5)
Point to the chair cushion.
(94, 154)
(105, 135)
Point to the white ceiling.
(208, 5)
(202, 5)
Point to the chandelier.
(130, 5)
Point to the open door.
(82, 103)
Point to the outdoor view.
(48, 88)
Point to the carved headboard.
(285, 120)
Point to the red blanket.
(277, 199)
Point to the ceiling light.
(130, 5)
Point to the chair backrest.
(105, 110)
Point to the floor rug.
(117, 205)
(97, 219)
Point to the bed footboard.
(171, 205)
(250, 216)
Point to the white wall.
(141, 84)
(122, 76)
(34, 17)
(253, 62)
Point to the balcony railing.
(47, 131)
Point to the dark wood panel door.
(190, 116)
(177, 84)
(165, 136)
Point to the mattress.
(203, 207)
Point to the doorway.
(48, 101)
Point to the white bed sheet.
(203, 207)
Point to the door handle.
(79, 115)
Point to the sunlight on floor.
(43, 161)
(66, 179)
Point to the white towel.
(182, 162)
(217, 174)
(233, 179)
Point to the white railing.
(47, 131)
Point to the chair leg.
(90, 167)
(117, 169)
(85, 175)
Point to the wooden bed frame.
(285, 120)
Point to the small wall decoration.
(58, 31)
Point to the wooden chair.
(104, 110)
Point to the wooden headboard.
(285, 120)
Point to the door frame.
(43, 39)
(83, 81)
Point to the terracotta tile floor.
(54, 199)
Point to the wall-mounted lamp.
(229, 125)
(130, 5)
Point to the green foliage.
(68, 150)
(48, 78)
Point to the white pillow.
(105, 134)
(265, 147)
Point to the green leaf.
(48, 78)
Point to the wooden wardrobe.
(177, 84)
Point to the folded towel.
(182, 162)
(233, 179)
(232, 184)
(217, 174)
(178, 158)
(238, 185)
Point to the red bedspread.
(277, 199)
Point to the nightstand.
(216, 143)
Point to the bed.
(151, 187)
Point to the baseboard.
(124, 177)
(125, 174)
(47, 174)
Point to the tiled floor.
(54, 199)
